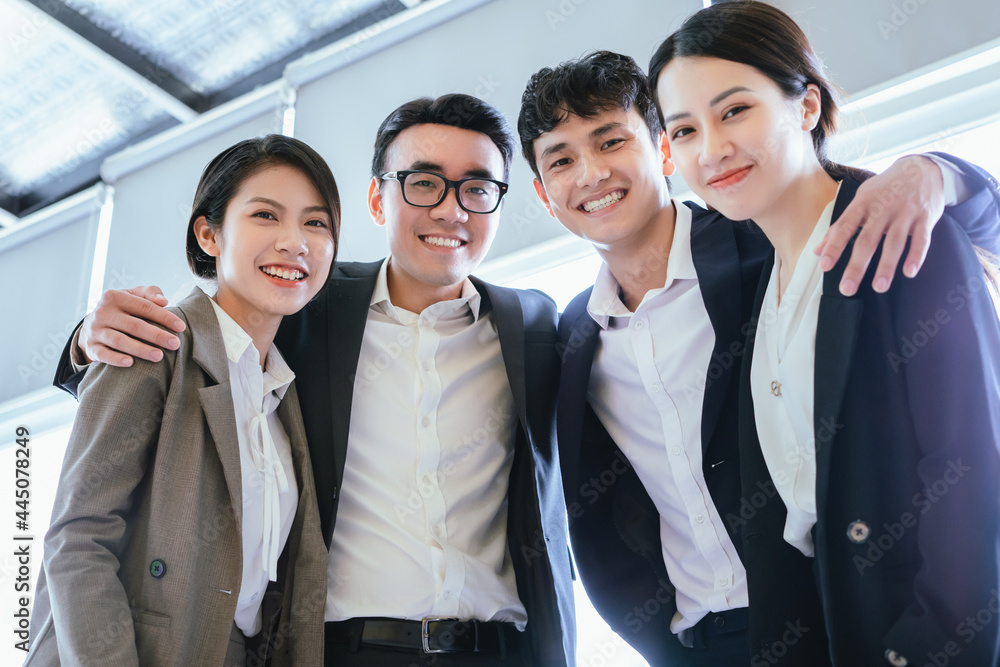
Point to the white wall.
(46, 270)
(489, 51)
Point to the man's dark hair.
(229, 169)
(462, 111)
(598, 82)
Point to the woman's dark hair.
(764, 37)
(229, 169)
(457, 110)
(598, 82)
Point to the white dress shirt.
(782, 384)
(269, 491)
(422, 522)
(647, 387)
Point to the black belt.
(431, 635)
(713, 625)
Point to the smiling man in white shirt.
(648, 399)
(428, 398)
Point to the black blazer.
(613, 522)
(322, 344)
(614, 525)
(907, 426)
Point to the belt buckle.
(425, 636)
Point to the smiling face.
(274, 249)
(434, 249)
(738, 142)
(603, 177)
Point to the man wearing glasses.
(428, 399)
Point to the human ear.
(375, 202)
(668, 165)
(811, 106)
(540, 191)
(206, 236)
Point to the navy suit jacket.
(614, 525)
(907, 427)
(613, 522)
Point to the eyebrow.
(421, 165)
(278, 205)
(715, 100)
(594, 134)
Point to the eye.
(316, 222)
(267, 215)
(561, 162)
(681, 132)
(610, 143)
(738, 109)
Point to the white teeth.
(598, 204)
(284, 274)
(442, 242)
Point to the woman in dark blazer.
(185, 529)
(869, 424)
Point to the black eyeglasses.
(428, 189)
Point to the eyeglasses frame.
(400, 175)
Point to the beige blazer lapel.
(209, 351)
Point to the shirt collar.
(277, 374)
(605, 301)
(469, 298)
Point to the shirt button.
(437, 531)
(425, 422)
(677, 451)
(446, 595)
(699, 518)
(639, 324)
(724, 581)
(428, 365)
(655, 388)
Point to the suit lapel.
(717, 263)
(509, 321)
(574, 382)
(209, 352)
(348, 301)
(836, 338)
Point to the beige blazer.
(143, 560)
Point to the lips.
(442, 241)
(599, 203)
(729, 178)
(285, 273)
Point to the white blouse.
(782, 384)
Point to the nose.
(448, 209)
(715, 147)
(591, 170)
(292, 239)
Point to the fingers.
(149, 304)
(121, 327)
(838, 236)
(108, 356)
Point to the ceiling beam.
(174, 95)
